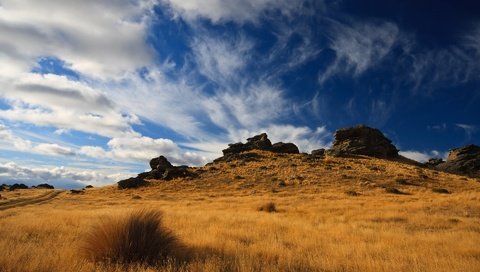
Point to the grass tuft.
(269, 207)
(139, 238)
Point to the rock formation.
(463, 160)
(258, 142)
(362, 140)
(161, 169)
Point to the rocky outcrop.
(285, 148)
(318, 152)
(45, 186)
(463, 160)
(258, 142)
(362, 140)
(132, 183)
(17, 186)
(434, 162)
(161, 169)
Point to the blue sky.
(91, 90)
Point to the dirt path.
(34, 200)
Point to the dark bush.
(139, 238)
(440, 190)
(269, 207)
(393, 190)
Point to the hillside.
(321, 225)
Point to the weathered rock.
(258, 142)
(17, 186)
(463, 160)
(318, 152)
(432, 163)
(244, 157)
(176, 172)
(89, 187)
(362, 140)
(285, 148)
(131, 183)
(161, 163)
(45, 186)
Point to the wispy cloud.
(469, 130)
(243, 11)
(9, 141)
(359, 46)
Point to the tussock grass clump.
(352, 193)
(440, 190)
(269, 207)
(393, 190)
(139, 238)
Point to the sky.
(90, 91)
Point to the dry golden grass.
(318, 227)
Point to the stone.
(131, 183)
(285, 148)
(160, 163)
(463, 160)
(362, 140)
(318, 152)
(17, 186)
(257, 142)
(45, 186)
(433, 162)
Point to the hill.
(270, 211)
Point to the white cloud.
(143, 149)
(221, 60)
(240, 11)
(54, 149)
(52, 100)
(360, 46)
(56, 175)
(9, 141)
(423, 156)
(96, 38)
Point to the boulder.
(131, 183)
(17, 186)
(160, 163)
(463, 160)
(318, 152)
(362, 140)
(257, 142)
(45, 186)
(285, 148)
(433, 162)
(260, 142)
(89, 187)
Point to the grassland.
(320, 225)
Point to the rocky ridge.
(355, 141)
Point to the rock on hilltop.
(363, 140)
(463, 160)
(258, 142)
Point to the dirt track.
(34, 200)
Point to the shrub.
(440, 190)
(269, 207)
(393, 190)
(352, 193)
(139, 238)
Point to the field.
(335, 214)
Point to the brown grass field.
(331, 215)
